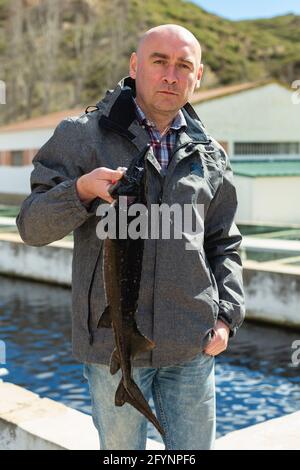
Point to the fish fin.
(105, 319)
(133, 395)
(120, 397)
(140, 343)
(115, 362)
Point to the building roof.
(254, 169)
(207, 95)
(48, 121)
(53, 119)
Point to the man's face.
(166, 71)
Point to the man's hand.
(96, 183)
(219, 340)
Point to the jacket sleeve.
(53, 209)
(221, 242)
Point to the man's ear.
(133, 65)
(199, 76)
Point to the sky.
(238, 9)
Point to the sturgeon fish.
(122, 266)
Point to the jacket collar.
(119, 116)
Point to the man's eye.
(185, 66)
(159, 61)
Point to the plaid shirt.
(162, 145)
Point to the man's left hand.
(219, 340)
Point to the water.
(254, 378)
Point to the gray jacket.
(182, 292)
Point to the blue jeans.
(184, 399)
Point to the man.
(191, 300)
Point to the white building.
(259, 126)
(268, 191)
(19, 142)
(253, 121)
(252, 118)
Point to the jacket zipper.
(160, 197)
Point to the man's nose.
(170, 75)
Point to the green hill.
(57, 55)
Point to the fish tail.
(132, 395)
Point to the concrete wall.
(272, 290)
(244, 189)
(268, 199)
(275, 434)
(272, 293)
(264, 114)
(275, 199)
(52, 263)
(28, 422)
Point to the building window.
(266, 148)
(16, 158)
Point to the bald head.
(170, 32)
(167, 68)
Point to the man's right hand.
(96, 183)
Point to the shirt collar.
(179, 121)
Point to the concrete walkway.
(28, 422)
(272, 289)
(276, 434)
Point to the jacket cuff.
(228, 321)
(88, 208)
